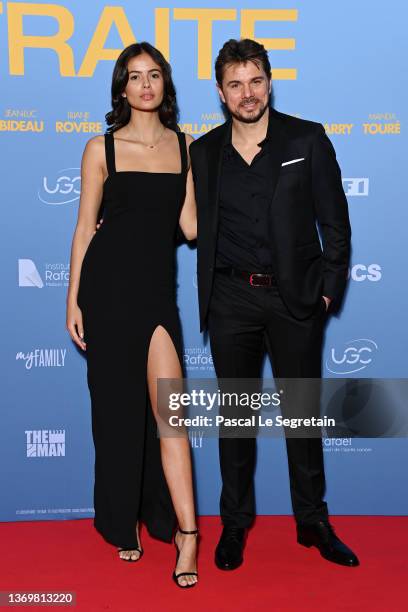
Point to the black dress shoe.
(228, 554)
(321, 535)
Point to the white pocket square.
(292, 161)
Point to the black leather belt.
(255, 279)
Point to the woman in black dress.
(121, 307)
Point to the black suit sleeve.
(331, 211)
(192, 152)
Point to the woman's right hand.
(74, 324)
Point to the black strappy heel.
(177, 576)
(136, 548)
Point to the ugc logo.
(356, 356)
(63, 188)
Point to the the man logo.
(62, 189)
(355, 186)
(45, 442)
(28, 275)
(356, 356)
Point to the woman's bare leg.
(163, 362)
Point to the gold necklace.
(152, 146)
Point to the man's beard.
(249, 119)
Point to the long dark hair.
(120, 113)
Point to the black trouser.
(243, 322)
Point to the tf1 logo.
(355, 186)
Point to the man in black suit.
(262, 181)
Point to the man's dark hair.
(241, 51)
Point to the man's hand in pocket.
(327, 300)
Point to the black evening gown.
(127, 288)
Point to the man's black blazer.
(301, 194)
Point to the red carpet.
(277, 574)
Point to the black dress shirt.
(243, 236)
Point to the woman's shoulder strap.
(110, 153)
(183, 151)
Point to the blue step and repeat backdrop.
(339, 63)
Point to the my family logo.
(362, 272)
(45, 442)
(355, 186)
(43, 358)
(54, 274)
(62, 188)
(196, 437)
(354, 357)
(196, 358)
